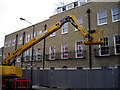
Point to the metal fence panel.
(100, 78)
(116, 78)
(23, 74)
(28, 74)
(35, 76)
(77, 78)
(44, 78)
(59, 78)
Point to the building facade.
(1, 54)
(64, 47)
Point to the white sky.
(32, 10)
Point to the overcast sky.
(32, 10)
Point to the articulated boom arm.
(88, 35)
(9, 60)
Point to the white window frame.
(35, 34)
(81, 2)
(116, 45)
(58, 10)
(19, 59)
(20, 40)
(115, 14)
(5, 55)
(6, 44)
(9, 43)
(38, 54)
(80, 20)
(51, 54)
(30, 54)
(81, 50)
(27, 38)
(65, 28)
(13, 42)
(103, 17)
(31, 36)
(70, 6)
(53, 34)
(39, 32)
(26, 55)
(64, 52)
(100, 46)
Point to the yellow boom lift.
(13, 71)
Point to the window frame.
(82, 2)
(38, 54)
(103, 17)
(115, 45)
(30, 54)
(52, 55)
(5, 55)
(76, 50)
(13, 42)
(39, 32)
(64, 27)
(26, 54)
(81, 23)
(70, 6)
(9, 43)
(20, 40)
(101, 46)
(58, 10)
(115, 14)
(35, 34)
(53, 34)
(64, 52)
(18, 59)
(6, 44)
(27, 37)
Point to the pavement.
(46, 88)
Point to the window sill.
(51, 60)
(102, 24)
(52, 36)
(64, 33)
(107, 55)
(115, 21)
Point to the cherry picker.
(9, 73)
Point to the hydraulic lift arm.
(90, 38)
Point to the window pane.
(53, 34)
(64, 51)
(102, 18)
(52, 53)
(13, 42)
(65, 28)
(117, 38)
(20, 40)
(79, 50)
(115, 14)
(104, 49)
(70, 6)
(117, 48)
(38, 54)
(115, 11)
(81, 23)
(117, 44)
